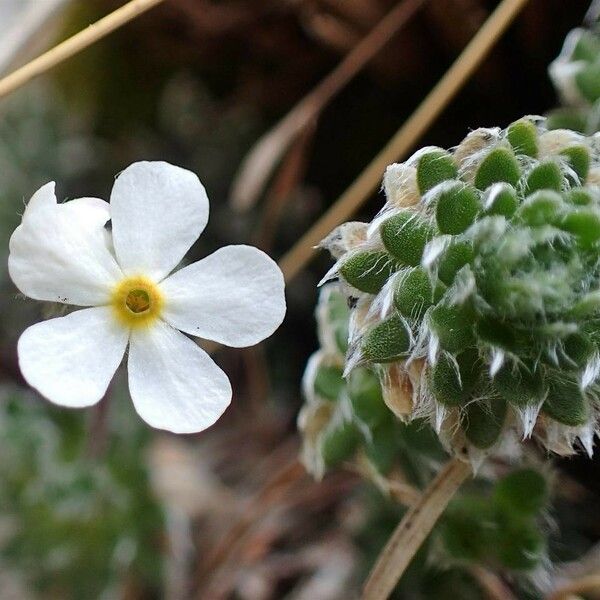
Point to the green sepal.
(414, 293)
(519, 386)
(524, 491)
(387, 341)
(457, 208)
(483, 421)
(329, 382)
(453, 326)
(496, 333)
(579, 159)
(545, 176)
(405, 235)
(455, 257)
(444, 383)
(522, 135)
(366, 398)
(339, 442)
(504, 201)
(544, 207)
(434, 167)
(499, 165)
(566, 403)
(368, 270)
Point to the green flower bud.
(457, 207)
(368, 271)
(387, 341)
(455, 257)
(453, 326)
(329, 382)
(501, 200)
(545, 176)
(444, 382)
(483, 421)
(405, 235)
(566, 403)
(579, 160)
(434, 167)
(366, 398)
(522, 135)
(339, 443)
(499, 165)
(524, 491)
(519, 386)
(414, 293)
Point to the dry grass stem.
(439, 97)
(74, 44)
(267, 152)
(414, 527)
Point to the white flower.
(64, 253)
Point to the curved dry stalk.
(431, 107)
(414, 527)
(267, 152)
(584, 585)
(74, 44)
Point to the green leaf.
(387, 341)
(578, 348)
(444, 382)
(339, 443)
(483, 421)
(453, 325)
(579, 158)
(366, 398)
(382, 448)
(522, 136)
(457, 208)
(499, 165)
(524, 491)
(329, 382)
(434, 167)
(566, 403)
(588, 82)
(545, 176)
(541, 208)
(587, 47)
(501, 200)
(414, 294)
(567, 118)
(520, 546)
(584, 223)
(456, 256)
(580, 196)
(405, 235)
(368, 271)
(519, 386)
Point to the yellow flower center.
(137, 302)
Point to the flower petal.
(235, 296)
(71, 360)
(59, 251)
(173, 383)
(158, 211)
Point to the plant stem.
(74, 44)
(414, 527)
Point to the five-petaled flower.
(65, 253)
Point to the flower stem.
(414, 527)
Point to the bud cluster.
(475, 292)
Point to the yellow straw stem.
(74, 44)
